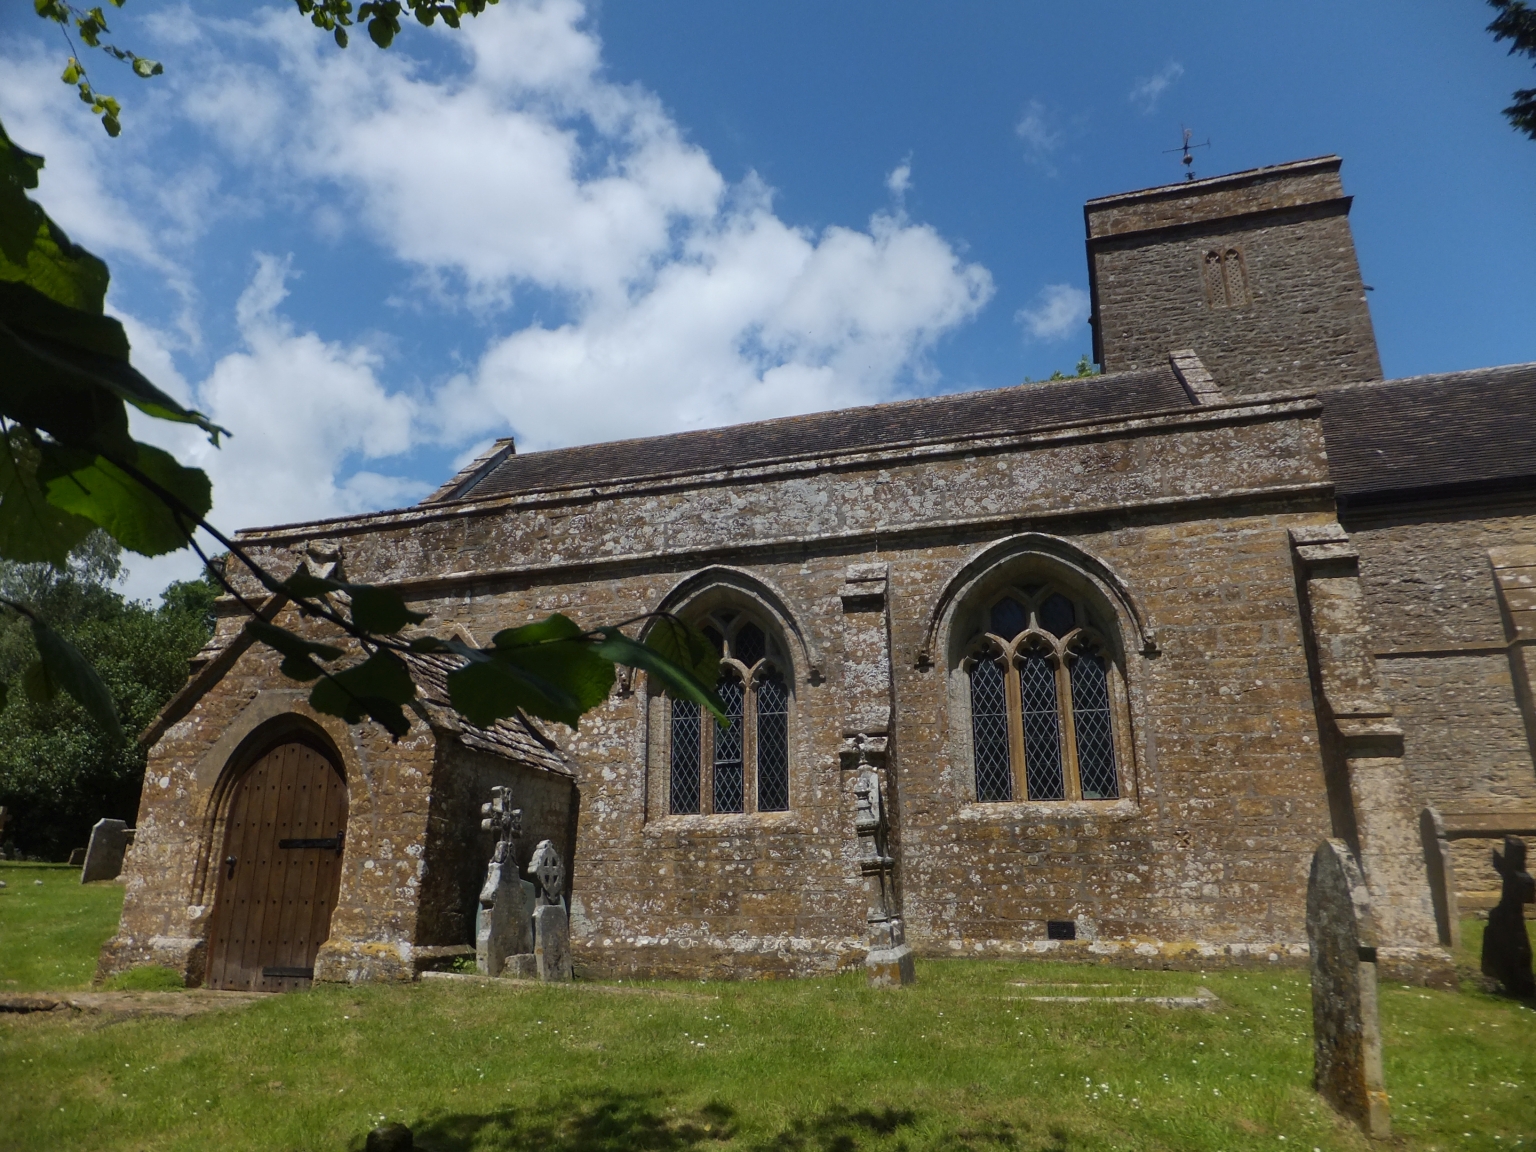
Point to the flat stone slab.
(191, 1002)
(514, 984)
(1203, 997)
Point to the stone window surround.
(1129, 641)
(1083, 637)
(709, 592)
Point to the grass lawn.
(961, 1061)
(51, 932)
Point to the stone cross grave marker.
(551, 925)
(104, 854)
(1346, 1036)
(503, 927)
(1506, 943)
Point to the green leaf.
(375, 688)
(71, 71)
(290, 644)
(556, 627)
(486, 690)
(147, 68)
(685, 646)
(676, 679)
(37, 684)
(70, 671)
(557, 652)
(33, 249)
(380, 610)
(58, 346)
(32, 529)
(135, 516)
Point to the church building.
(1117, 653)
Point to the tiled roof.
(517, 739)
(1459, 431)
(966, 415)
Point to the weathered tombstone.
(77, 858)
(551, 925)
(1442, 877)
(1506, 944)
(502, 927)
(104, 855)
(1346, 1035)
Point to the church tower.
(1255, 271)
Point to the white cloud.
(1149, 90)
(1038, 128)
(688, 301)
(302, 412)
(669, 298)
(1058, 312)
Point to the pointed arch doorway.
(280, 870)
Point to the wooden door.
(280, 871)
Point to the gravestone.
(551, 924)
(77, 858)
(104, 855)
(1346, 1035)
(1506, 943)
(503, 924)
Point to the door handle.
(229, 865)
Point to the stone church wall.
(1444, 649)
(1204, 856)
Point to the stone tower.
(1255, 271)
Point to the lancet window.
(1043, 712)
(743, 765)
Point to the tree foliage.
(1516, 22)
(380, 17)
(69, 467)
(59, 771)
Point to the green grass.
(960, 1061)
(51, 933)
(145, 978)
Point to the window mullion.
(749, 747)
(706, 764)
(1015, 699)
(1072, 783)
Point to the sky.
(573, 222)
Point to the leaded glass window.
(989, 729)
(741, 766)
(772, 743)
(1043, 700)
(685, 757)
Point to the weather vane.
(1189, 159)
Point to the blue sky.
(577, 222)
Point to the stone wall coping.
(1250, 409)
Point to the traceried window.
(1042, 703)
(742, 766)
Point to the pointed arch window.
(1043, 711)
(742, 766)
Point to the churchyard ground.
(963, 1060)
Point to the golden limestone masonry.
(1081, 669)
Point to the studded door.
(279, 873)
